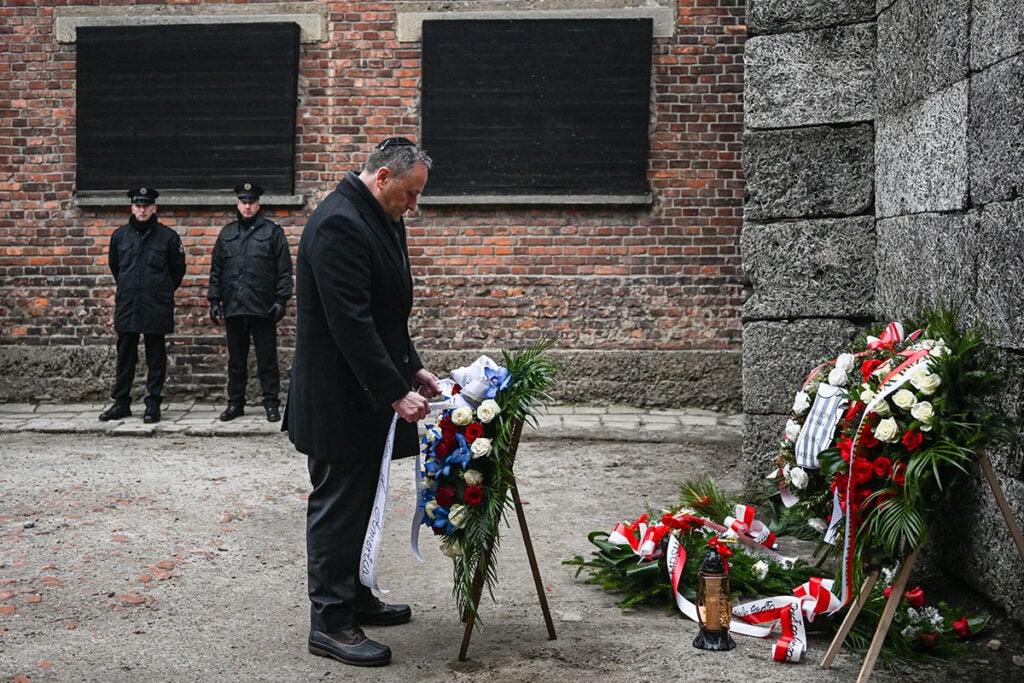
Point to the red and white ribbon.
(808, 600)
(744, 524)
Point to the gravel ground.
(178, 558)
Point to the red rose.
(882, 466)
(444, 447)
(915, 597)
(868, 440)
(887, 592)
(961, 627)
(898, 475)
(912, 439)
(839, 482)
(447, 426)
(474, 494)
(868, 367)
(474, 430)
(445, 496)
(456, 389)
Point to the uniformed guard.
(148, 262)
(250, 284)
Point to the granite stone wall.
(883, 155)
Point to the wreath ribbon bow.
(745, 524)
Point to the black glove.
(277, 312)
(215, 312)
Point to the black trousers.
(337, 514)
(263, 333)
(128, 358)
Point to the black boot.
(273, 412)
(116, 412)
(152, 415)
(234, 410)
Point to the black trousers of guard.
(337, 514)
(263, 333)
(128, 358)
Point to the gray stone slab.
(921, 155)
(1000, 267)
(922, 48)
(922, 259)
(778, 16)
(813, 268)
(808, 78)
(811, 172)
(761, 437)
(778, 356)
(995, 31)
(995, 132)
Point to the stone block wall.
(632, 284)
(925, 206)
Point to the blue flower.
(497, 379)
(438, 468)
(441, 519)
(462, 454)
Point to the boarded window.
(188, 107)
(537, 107)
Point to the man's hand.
(426, 383)
(412, 407)
(215, 312)
(277, 312)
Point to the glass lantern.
(714, 604)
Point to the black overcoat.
(148, 266)
(353, 354)
(250, 270)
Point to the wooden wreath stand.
(469, 616)
(900, 583)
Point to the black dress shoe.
(350, 646)
(378, 613)
(152, 415)
(115, 412)
(232, 412)
(273, 414)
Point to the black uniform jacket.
(353, 355)
(251, 270)
(148, 266)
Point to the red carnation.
(868, 367)
(915, 597)
(961, 627)
(912, 439)
(474, 494)
(882, 466)
(445, 496)
(845, 447)
(474, 430)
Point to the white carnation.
(760, 570)
(846, 362)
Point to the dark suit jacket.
(353, 353)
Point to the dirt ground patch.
(182, 558)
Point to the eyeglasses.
(395, 142)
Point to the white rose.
(882, 408)
(837, 377)
(760, 570)
(923, 411)
(480, 448)
(457, 514)
(792, 430)
(818, 524)
(866, 395)
(940, 349)
(888, 431)
(801, 403)
(846, 362)
(462, 416)
(488, 410)
(799, 477)
(451, 548)
(429, 508)
(473, 477)
(926, 382)
(904, 399)
(432, 435)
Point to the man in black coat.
(355, 366)
(148, 263)
(250, 284)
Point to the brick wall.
(660, 282)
